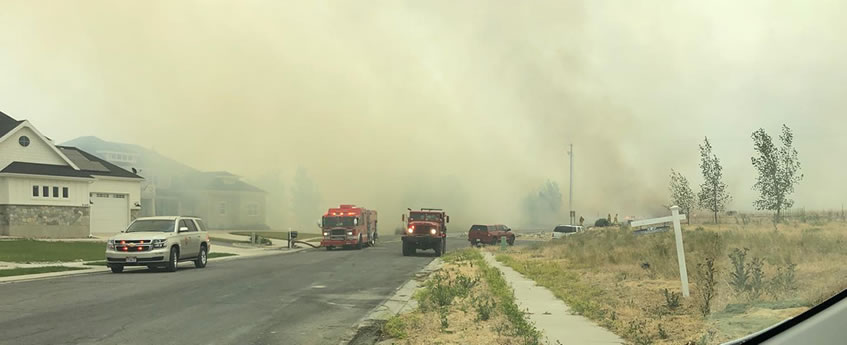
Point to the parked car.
(159, 242)
(490, 234)
(566, 230)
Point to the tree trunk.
(716, 217)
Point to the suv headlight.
(159, 243)
(110, 245)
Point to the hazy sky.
(470, 101)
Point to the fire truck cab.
(425, 229)
(348, 226)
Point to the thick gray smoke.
(465, 105)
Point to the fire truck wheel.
(359, 243)
(406, 249)
(328, 248)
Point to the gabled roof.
(7, 123)
(43, 170)
(93, 165)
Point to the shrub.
(602, 223)
(706, 284)
(671, 299)
(739, 275)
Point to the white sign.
(675, 217)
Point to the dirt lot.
(629, 284)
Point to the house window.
(23, 140)
(222, 208)
(252, 210)
(55, 192)
(65, 192)
(35, 191)
(45, 191)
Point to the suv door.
(187, 246)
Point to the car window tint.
(190, 224)
(479, 228)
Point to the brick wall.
(44, 221)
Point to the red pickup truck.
(490, 234)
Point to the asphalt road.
(310, 297)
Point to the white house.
(47, 190)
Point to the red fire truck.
(425, 229)
(348, 226)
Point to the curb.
(399, 302)
(104, 269)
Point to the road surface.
(310, 297)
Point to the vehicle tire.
(173, 260)
(359, 244)
(406, 249)
(202, 258)
(510, 241)
(496, 241)
(441, 247)
(328, 248)
(117, 268)
(152, 268)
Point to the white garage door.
(109, 213)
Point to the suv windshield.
(422, 216)
(479, 228)
(338, 221)
(151, 226)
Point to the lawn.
(279, 235)
(36, 270)
(629, 284)
(44, 251)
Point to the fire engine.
(348, 226)
(425, 229)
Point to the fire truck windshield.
(420, 216)
(338, 221)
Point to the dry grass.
(616, 278)
(465, 319)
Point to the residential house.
(53, 191)
(171, 187)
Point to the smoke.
(465, 105)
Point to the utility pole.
(570, 189)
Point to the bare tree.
(713, 195)
(681, 194)
(779, 171)
(305, 199)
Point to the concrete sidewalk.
(550, 314)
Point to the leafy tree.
(277, 203)
(543, 206)
(681, 194)
(713, 195)
(779, 171)
(305, 200)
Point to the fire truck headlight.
(432, 231)
(326, 233)
(410, 230)
(349, 233)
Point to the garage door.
(109, 213)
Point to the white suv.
(566, 230)
(159, 241)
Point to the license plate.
(131, 259)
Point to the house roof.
(44, 170)
(94, 165)
(7, 123)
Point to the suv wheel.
(173, 260)
(117, 268)
(511, 241)
(202, 258)
(496, 241)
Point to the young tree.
(542, 208)
(713, 195)
(779, 171)
(681, 194)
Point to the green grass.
(44, 251)
(280, 235)
(220, 255)
(505, 297)
(36, 270)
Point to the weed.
(440, 290)
(757, 277)
(707, 285)
(671, 299)
(739, 275)
(637, 331)
(784, 281)
(662, 333)
(484, 307)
